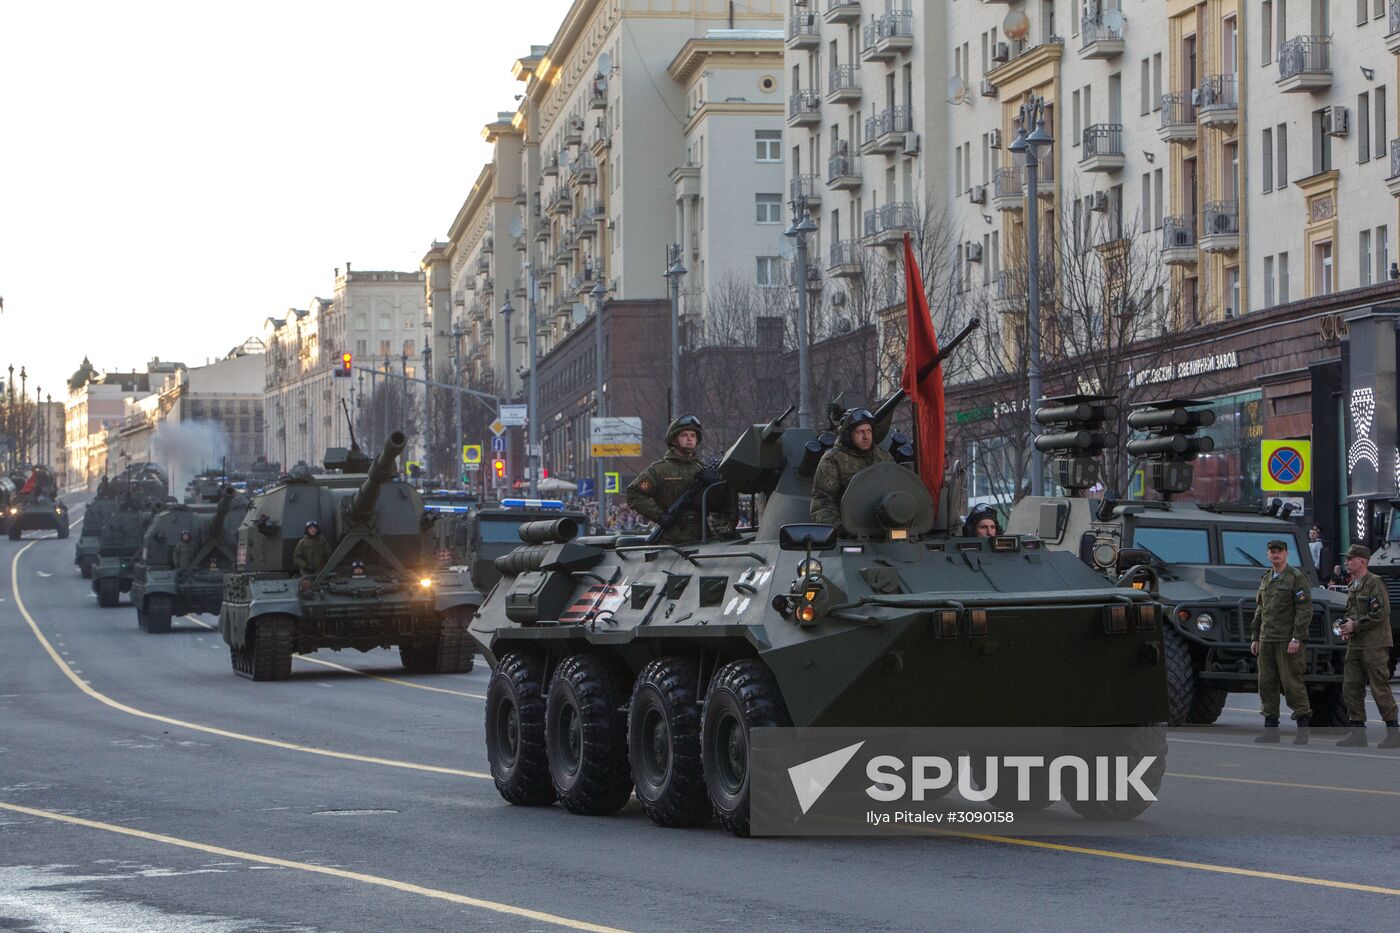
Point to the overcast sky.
(173, 173)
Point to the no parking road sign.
(1287, 466)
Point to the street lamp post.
(675, 271)
(798, 231)
(1035, 147)
(428, 412)
(532, 411)
(600, 292)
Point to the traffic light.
(1171, 444)
(498, 468)
(1077, 436)
(347, 363)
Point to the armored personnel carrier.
(173, 577)
(1208, 558)
(36, 506)
(379, 588)
(139, 492)
(619, 664)
(85, 552)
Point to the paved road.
(144, 786)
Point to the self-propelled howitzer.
(897, 622)
(173, 576)
(378, 587)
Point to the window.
(1281, 147)
(1268, 160)
(1268, 281)
(386, 321)
(1283, 278)
(770, 271)
(1380, 122)
(1363, 125)
(384, 348)
(769, 208)
(1322, 268)
(408, 348)
(361, 347)
(361, 321)
(1145, 91)
(1280, 24)
(1363, 12)
(1266, 31)
(1157, 199)
(1174, 545)
(1363, 260)
(1232, 289)
(1157, 81)
(1382, 245)
(1379, 9)
(1145, 208)
(1322, 143)
(1078, 128)
(1250, 548)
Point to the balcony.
(483, 265)
(843, 172)
(842, 11)
(598, 94)
(488, 285)
(1220, 227)
(814, 275)
(885, 131)
(1392, 181)
(586, 227)
(1217, 102)
(845, 260)
(1178, 119)
(564, 252)
(1100, 40)
(573, 132)
(488, 244)
(1179, 241)
(804, 108)
(559, 203)
(806, 186)
(551, 165)
(1305, 64)
(583, 170)
(520, 196)
(1102, 148)
(886, 36)
(1045, 177)
(1010, 298)
(1392, 31)
(886, 226)
(843, 85)
(804, 29)
(601, 138)
(1008, 188)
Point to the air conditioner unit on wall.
(911, 143)
(1098, 201)
(977, 194)
(988, 88)
(1002, 53)
(974, 252)
(994, 139)
(1334, 120)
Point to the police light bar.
(444, 507)
(533, 503)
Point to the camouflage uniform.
(834, 472)
(1368, 650)
(311, 554)
(658, 486)
(1282, 611)
(184, 553)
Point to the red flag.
(921, 349)
(30, 485)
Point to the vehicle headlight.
(425, 582)
(809, 567)
(1337, 628)
(1205, 623)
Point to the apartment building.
(868, 144)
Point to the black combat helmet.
(684, 423)
(852, 418)
(976, 516)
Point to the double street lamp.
(1035, 147)
(675, 271)
(800, 228)
(598, 293)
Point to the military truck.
(139, 491)
(8, 489)
(86, 551)
(621, 665)
(1208, 558)
(396, 596)
(169, 579)
(36, 506)
(492, 531)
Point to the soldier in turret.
(1368, 636)
(658, 487)
(853, 451)
(311, 552)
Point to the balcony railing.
(1007, 182)
(843, 11)
(1217, 92)
(1102, 139)
(887, 122)
(1395, 158)
(1305, 55)
(1220, 219)
(1393, 21)
(899, 215)
(843, 82)
(844, 253)
(1178, 232)
(885, 34)
(1177, 111)
(803, 27)
(842, 168)
(1093, 29)
(804, 102)
(806, 186)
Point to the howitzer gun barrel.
(216, 521)
(380, 472)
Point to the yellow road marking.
(1182, 863)
(397, 681)
(1330, 788)
(100, 697)
(404, 886)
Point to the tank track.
(269, 657)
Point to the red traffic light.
(347, 363)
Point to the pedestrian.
(1282, 611)
(1366, 630)
(658, 487)
(1340, 575)
(1321, 555)
(311, 552)
(853, 451)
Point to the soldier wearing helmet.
(311, 552)
(185, 550)
(853, 451)
(658, 486)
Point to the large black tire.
(743, 696)
(1181, 676)
(85, 568)
(585, 736)
(15, 532)
(1207, 704)
(1328, 710)
(109, 592)
(155, 618)
(663, 743)
(271, 651)
(1141, 741)
(515, 730)
(63, 530)
(450, 654)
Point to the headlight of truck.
(1205, 623)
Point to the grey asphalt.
(63, 751)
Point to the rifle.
(692, 492)
(885, 413)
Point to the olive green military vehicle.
(493, 531)
(139, 492)
(1208, 558)
(172, 576)
(8, 490)
(379, 588)
(86, 551)
(619, 665)
(37, 509)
